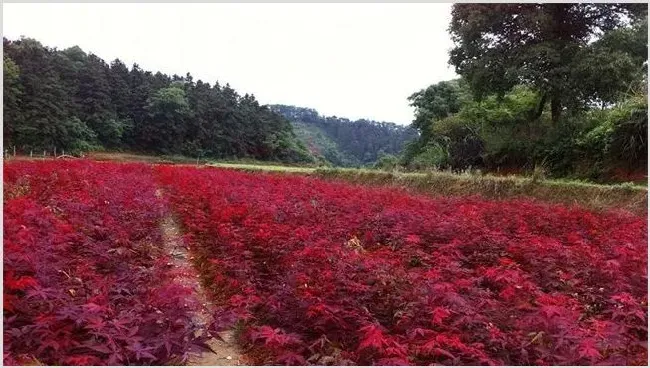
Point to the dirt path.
(226, 352)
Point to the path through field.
(224, 350)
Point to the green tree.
(387, 162)
(438, 101)
(168, 114)
(611, 66)
(498, 46)
(96, 107)
(118, 81)
(73, 100)
(434, 103)
(45, 104)
(12, 92)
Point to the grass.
(633, 198)
(242, 164)
(261, 167)
(136, 157)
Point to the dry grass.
(632, 198)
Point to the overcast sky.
(349, 60)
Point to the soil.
(225, 350)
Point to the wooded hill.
(75, 101)
(343, 142)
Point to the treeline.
(343, 142)
(557, 89)
(72, 100)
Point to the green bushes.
(513, 134)
(387, 162)
(616, 140)
(573, 106)
(434, 155)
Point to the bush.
(501, 134)
(434, 156)
(461, 139)
(616, 138)
(387, 162)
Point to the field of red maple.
(85, 278)
(313, 272)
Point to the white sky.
(350, 60)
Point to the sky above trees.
(350, 60)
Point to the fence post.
(14, 151)
(44, 152)
(54, 151)
(31, 153)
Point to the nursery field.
(311, 272)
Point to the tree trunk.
(540, 107)
(556, 109)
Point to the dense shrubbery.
(325, 273)
(615, 138)
(504, 135)
(85, 277)
(387, 162)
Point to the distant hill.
(343, 142)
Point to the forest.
(554, 89)
(343, 142)
(74, 101)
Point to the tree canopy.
(73, 100)
(548, 47)
(524, 69)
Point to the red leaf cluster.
(84, 276)
(326, 273)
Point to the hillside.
(343, 142)
(74, 101)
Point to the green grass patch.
(260, 167)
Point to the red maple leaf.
(372, 338)
(588, 350)
(439, 314)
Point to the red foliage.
(84, 275)
(315, 272)
(326, 273)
